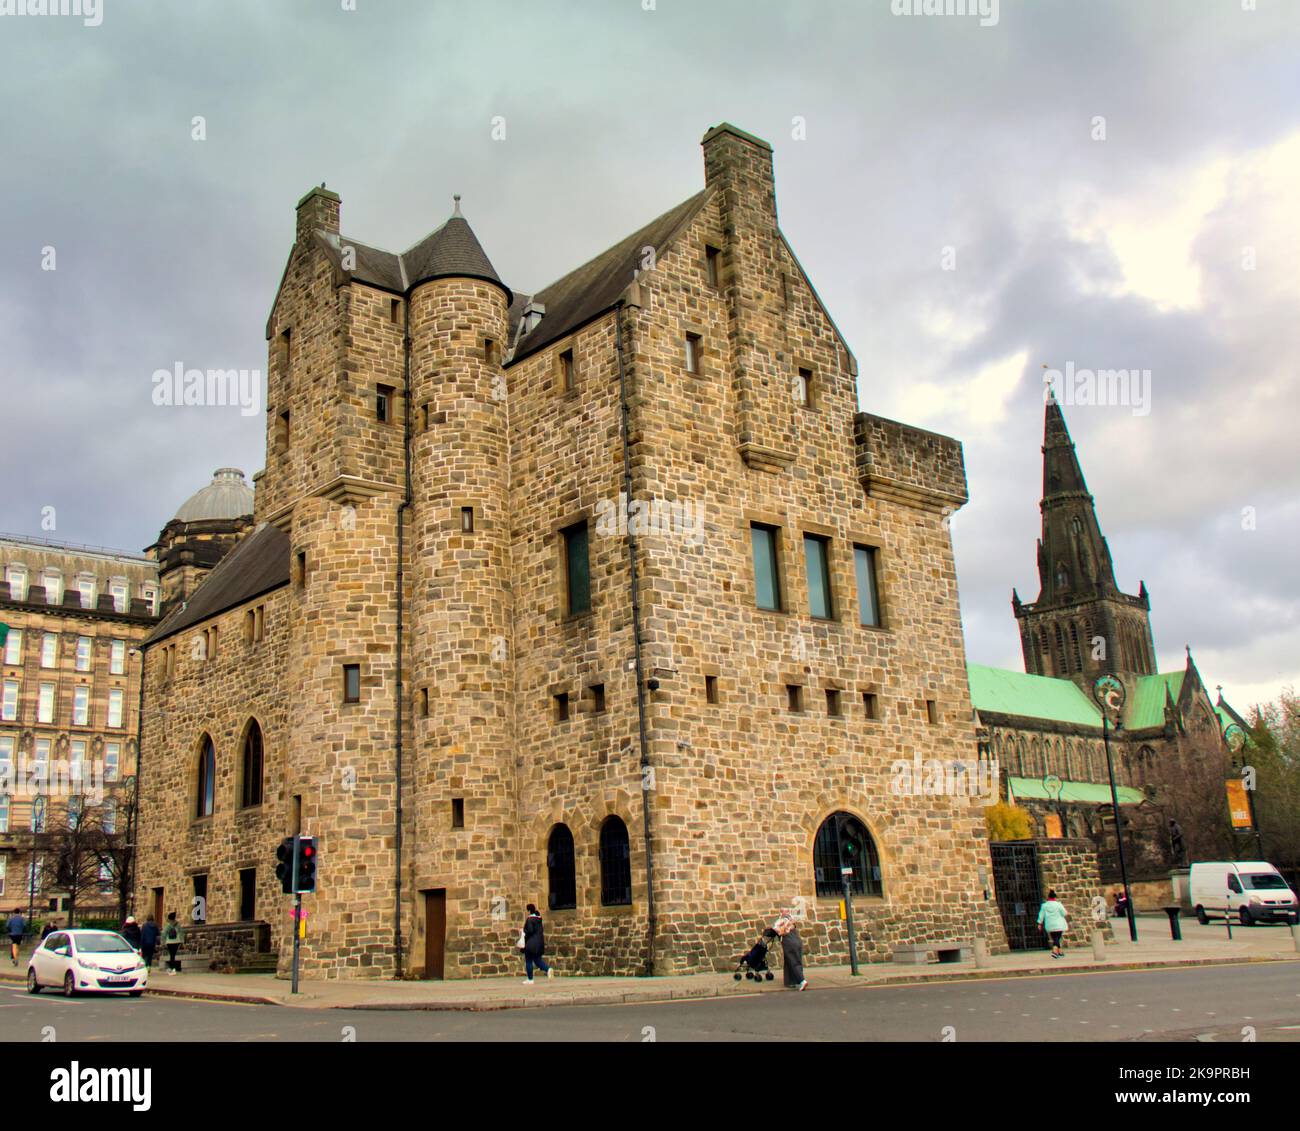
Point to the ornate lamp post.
(1110, 695)
(1235, 737)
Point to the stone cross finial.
(456, 201)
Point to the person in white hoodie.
(1051, 917)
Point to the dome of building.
(226, 497)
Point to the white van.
(1252, 890)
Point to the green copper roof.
(1031, 696)
(1146, 706)
(1089, 792)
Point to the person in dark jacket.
(148, 940)
(51, 925)
(131, 931)
(534, 946)
(792, 956)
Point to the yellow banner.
(1053, 822)
(1239, 804)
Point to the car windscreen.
(1263, 881)
(103, 944)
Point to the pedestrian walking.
(17, 926)
(131, 931)
(51, 925)
(171, 937)
(532, 941)
(148, 941)
(1052, 919)
(791, 954)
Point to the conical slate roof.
(226, 497)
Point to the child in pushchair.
(754, 964)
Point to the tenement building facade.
(604, 597)
(1169, 754)
(69, 697)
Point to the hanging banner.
(1239, 804)
(1053, 823)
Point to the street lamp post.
(1109, 693)
(38, 827)
(1235, 737)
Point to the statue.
(1177, 846)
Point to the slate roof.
(595, 287)
(255, 566)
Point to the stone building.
(1044, 726)
(604, 597)
(69, 696)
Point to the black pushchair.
(753, 965)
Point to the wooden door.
(435, 932)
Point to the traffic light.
(306, 863)
(284, 869)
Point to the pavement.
(1200, 946)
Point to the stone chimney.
(740, 164)
(318, 210)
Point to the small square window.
(597, 698)
(490, 351)
(804, 388)
(832, 703)
(710, 688)
(869, 706)
(693, 351)
(394, 310)
(457, 812)
(577, 569)
(794, 697)
(931, 712)
(384, 403)
(711, 258)
(562, 707)
(351, 683)
(565, 376)
(467, 520)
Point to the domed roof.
(226, 497)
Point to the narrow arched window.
(843, 842)
(251, 766)
(1074, 646)
(1061, 667)
(206, 792)
(561, 877)
(615, 864)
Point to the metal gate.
(1019, 892)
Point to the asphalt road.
(1225, 1003)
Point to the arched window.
(251, 765)
(561, 879)
(615, 864)
(1061, 668)
(207, 778)
(1074, 646)
(1044, 650)
(828, 859)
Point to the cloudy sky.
(1103, 185)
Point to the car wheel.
(135, 993)
(1201, 916)
(69, 984)
(33, 986)
(1247, 920)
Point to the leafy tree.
(1007, 822)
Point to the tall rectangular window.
(804, 387)
(767, 575)
(17, 578)
(42, 756)
(14, 646)
(45, 703)
(351, 683)
(117, 657)
(115, 699)
(864, 559)
(53, 587)
(692, 353)
(108, 819)
(816, 554)
(384, 403)
(86, 587)
(120, 591)
(9, 701)
(83, 653)
(7, 746)
(50, 650)
(112, 760)
(77, 758)
(282, 431)
(566, 371)
(81, 705)
(577, 568)
(4, 813)
(711, 255)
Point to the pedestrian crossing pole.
(297, 917)
(846, 875)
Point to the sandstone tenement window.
(711, 689)
(577, 569)
(112, 760)
(864, 562)
(561, 872)
(53, 580)
(869, 704)
(457, 812)
(564, 371)
(206, 778)
(83, 654)
(4, 815)
(793, 697)
(467, 520)
(251, 767)
(561, 701)
(9, 701)
(829, 856)
(14, 647)
(50, 650)
(86, 587)
(117, 657)
(7, 745)
(351, 683)
(931, 712)
(817, 554)
(116, 698)
(121, 596)
(832, 703)
(597, 691)
(45, 703)
(615, 864)
(765, 543)
(692, 356)
(711, 257)
(16, 575)
(384, 403)
(81, 705)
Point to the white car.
(87, 962)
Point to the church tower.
(1081, 625)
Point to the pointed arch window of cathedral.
(251, 766)
(1074, 647)
(615, 864)
(561, 873)
(1062, 577)
(1061, 666)
(207, 778)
